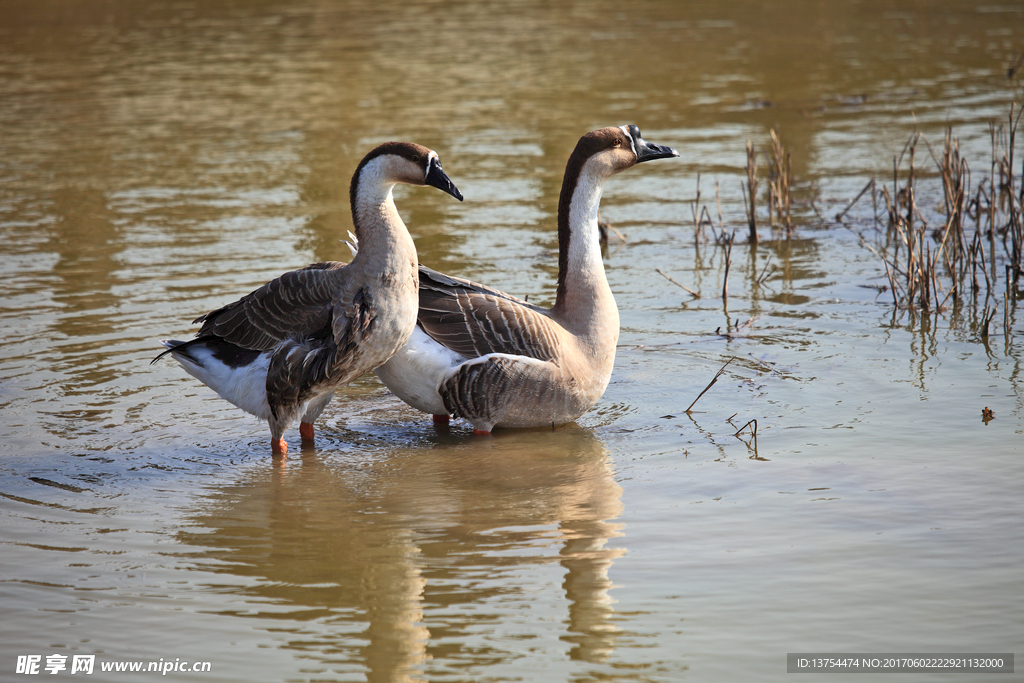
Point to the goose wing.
(475, 320)
(313, 319)
(298, 304)
(333, 354)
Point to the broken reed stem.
(711, 383)
(728, 263)
(696, 214)
(911, 204)
(986, 319)
(780, 176)
(869, 186)
(617, 233)
(1015, 67)
(751, 190)
(753, 430)
(718, 200)
(694, 294)
(1006, 315)
(764, 271)
(1015, 224)
(702, 216)
(892, 284)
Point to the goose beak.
(646, 151)
(436, 177)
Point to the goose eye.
(416, 158)
(617, 142)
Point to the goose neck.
(584, 299)
(379, 228)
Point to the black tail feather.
(225, 352)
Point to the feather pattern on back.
(299, 303)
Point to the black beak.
(647, 151)
(436, 177)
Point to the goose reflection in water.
(417, 555)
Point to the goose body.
(497, 361)
(281, 351)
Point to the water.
(160, 159)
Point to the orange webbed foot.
(279, 447)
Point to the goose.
(282, 350)
(498, 361)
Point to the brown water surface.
(160, 159)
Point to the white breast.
(416, 371)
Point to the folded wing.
(475, 320)
(299, 304)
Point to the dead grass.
(929, 269)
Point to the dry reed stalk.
(705, 219)
(909, 189)
(992, 199)
(695, 209)
(928, 278)
(753, 430)
(892, 284)
(956, 187)
(1006, 315)
(694, 294)
(718, 200)
(869, 186)
(780, 179)
(765, 273)
(702, 216)
(986, 319)
(978, 262)
(751, 191)
(1015, 223)
(728, 263)
(710, 384)
(1015, 67)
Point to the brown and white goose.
(281, 351)
(497, 361)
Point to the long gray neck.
(382, 236)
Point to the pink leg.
(306, 431)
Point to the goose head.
(402, 162)
(608, 151)
(599, 155)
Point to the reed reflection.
(409, 554)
